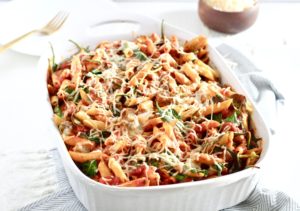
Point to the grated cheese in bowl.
(230, 5)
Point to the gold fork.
(51, 27)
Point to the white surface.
(272, 43)
(24, 172)
(27, 11)
(95, 196)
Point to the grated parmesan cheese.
(230, 5)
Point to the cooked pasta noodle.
(150, 112)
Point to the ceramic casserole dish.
(211, 194)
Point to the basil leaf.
(89, 168)
(58, 111)
(180, 177)
(140, 55)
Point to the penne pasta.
(104, 170)
(205, 70)
(150, 112)
(117, 170)
(195, 44)
(216, 108)
(83, 157)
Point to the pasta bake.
(150, 112)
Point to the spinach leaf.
(236, 161)
(99, 137)
(69, 90)
(94, 139)
(175, 114)
(217, 117)
(140, 55)
(169, 116)
(232, 118)
(219, 168)
(96, 72)
(201, 171)
(89, 168)
(54, 66)
(79, 47)
(180, 177)
(154, 163)
(58, 111)
(105, 133)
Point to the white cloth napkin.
(38, 178)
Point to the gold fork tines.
(52, 26)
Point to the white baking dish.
(211, 194)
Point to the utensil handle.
(14, 41)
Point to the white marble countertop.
(272, 43)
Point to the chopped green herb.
(218, 168)
(90, 168)
(236, 161)
(105, 133)
(232, 118)
(169, 116)
(180, 177)
(154, 163)
(140, 55)
(94, 139)
(79, 47)
(86, 90)
(205, 172)
(175, 114)
(201, 171)
(217, 117)
(77, 97)
(69, 90)
(96, 72)
(54, 66)
(58, 111)
(116, 112)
